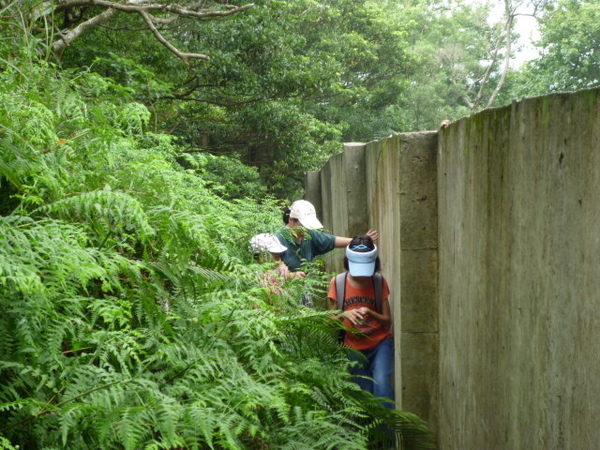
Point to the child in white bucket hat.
(267, 248)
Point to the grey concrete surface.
(519, 221)
(490, 237)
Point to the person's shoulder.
(379, 275)
(385, 285)
(323, 242)
(334, 281)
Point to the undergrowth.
(132, 316)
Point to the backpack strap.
(340, 288)
(378, 285)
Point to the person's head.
(286, 216)
(362, 259)
(303, 214)
(267, 243)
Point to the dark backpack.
(340, 287)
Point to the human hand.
(363, 310)
(373, 234)
(288, 274)
(355, 316)
(283, 270)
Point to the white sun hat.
(266, 242)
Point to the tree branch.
(134, 6)
(146, 9)
(504, 38)
(507, 52)
(508, 25)
(63, 42)
(184, 56)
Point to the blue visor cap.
(361, 264)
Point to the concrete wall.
(519, 216)
(490, 236)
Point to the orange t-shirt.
(371, 332)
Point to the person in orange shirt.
(368, 334)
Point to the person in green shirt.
(304, 240)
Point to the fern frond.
(133, 117)
(130, 427)
(103, 210)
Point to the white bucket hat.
(304, 211)
(266, 242)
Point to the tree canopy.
(279, 85)
(569, 45)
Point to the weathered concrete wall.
(492, 248)
(519, 218)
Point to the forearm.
(341, 241)
(332, 307)
(384, 319)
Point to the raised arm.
(341, 241)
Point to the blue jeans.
(374, 370)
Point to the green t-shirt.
(313, 244)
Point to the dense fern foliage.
(131, 312)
